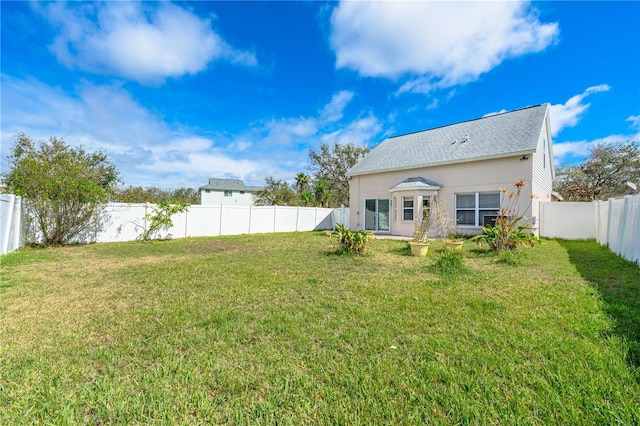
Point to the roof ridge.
(465, 121)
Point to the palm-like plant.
(302, 182)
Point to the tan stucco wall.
(478, 176)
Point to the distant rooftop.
(499, 135)
(229, 185)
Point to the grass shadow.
(618, 282)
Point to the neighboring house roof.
(416, 183)
(495, 136)
(229, 185)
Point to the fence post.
(275, 213)
(186, 223)
(297, 217)
(609, 221)
(19, 229)
(220, 225)
(250, 217)
(623, 224)
(597, 218)
(636, 254)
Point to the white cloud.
(569, 114)
(494, 113)
(358, 132)
(565, 152)
(149, 152)
(136, 40)
(436, 44)
(108, 119)
(635, 120)
(299, 130)
(333, 111)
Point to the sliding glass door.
(376, 214)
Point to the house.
(464, 165)
(227, 191)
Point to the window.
(407, 209)
(544, 153)
(228, 193)
(477, 209)
(241, 192)
(426, 206)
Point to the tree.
(321, 193)
(302, 182)
(276, 193)
(330, 165)
(307, 198)
(160, 217)
(63, 187)
(152, 194)
(604, 174)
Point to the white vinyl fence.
(125, 222)
(614, 223)
(11, 221)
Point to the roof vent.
(465, 139)
(454, 141)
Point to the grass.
(275, 328)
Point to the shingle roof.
(500, 135)
(415, 183)
(229, 185)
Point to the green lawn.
(267, 329)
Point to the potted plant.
(420, 242)
(448, 227)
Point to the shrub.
(449, 262)
(64, 187)
(352, 242)
(512, 229)
(160, 217)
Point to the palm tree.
(302, 182)
(321, 192)
(306, 197)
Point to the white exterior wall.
(216, 197)
(477, 176)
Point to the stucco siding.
(469, 177)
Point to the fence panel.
(11, 221)
(203, 221)
(262, 219)
(235, 220)
(614, 223)
(286, 218)
(622, 227)
(120, 222)
(573, 221)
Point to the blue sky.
(179, 92)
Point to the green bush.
(352, 242)
(512, 229)
(449, 262)
(160, 217)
